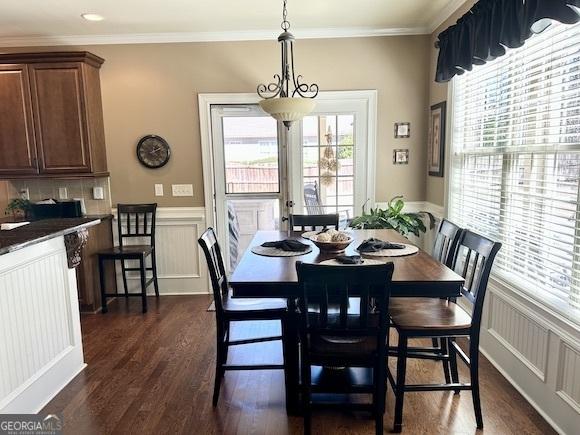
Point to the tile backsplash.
(40, 189)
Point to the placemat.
(407, 250)
(367, 262)
(275, 252)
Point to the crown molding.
(166, 38)
(445, 13)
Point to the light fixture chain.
(285, 23)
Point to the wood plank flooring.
(153, 374)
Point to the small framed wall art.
(402, 130)
(436, 139)
(401, 157)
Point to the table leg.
(292, 354)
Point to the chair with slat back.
(351, 332)
(134, 222)
(444, 250)
(446, 242)
(304, 222)
(229, 309)
(429, 317)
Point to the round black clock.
(153, 151)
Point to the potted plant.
(19, 208)
(394, 218)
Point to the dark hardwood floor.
(153, 373)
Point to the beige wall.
(435, 192)
(153, 88)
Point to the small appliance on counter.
(51, 208)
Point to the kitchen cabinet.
(51, 117)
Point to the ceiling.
(58, 21)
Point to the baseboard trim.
(521, 391)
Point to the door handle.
(284, 218)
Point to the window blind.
(515, 163)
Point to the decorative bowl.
(332, 247)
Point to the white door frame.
(205, 101)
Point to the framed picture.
(401, 157)
(436, 139)
(402, 130)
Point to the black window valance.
(491, 26)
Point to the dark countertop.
(39, 231)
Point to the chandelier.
(287, 99)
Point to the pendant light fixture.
(287, 99)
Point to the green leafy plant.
(393, 217)
(18, 206)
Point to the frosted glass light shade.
(288, 109)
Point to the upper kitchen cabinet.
(51, 115)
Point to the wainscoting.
(181, 267)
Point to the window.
(328, 150)
(515, 163)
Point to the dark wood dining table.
(257, 276)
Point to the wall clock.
(153, 151)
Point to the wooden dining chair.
(430, 317)
(136, 222)
(444, 250)
(312, 222)
(228, 309)
(350, 335)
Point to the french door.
(263, 172)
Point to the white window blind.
(515, 163)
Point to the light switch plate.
(182, 189)
(62, 193)
(159, 190)
(98, 193)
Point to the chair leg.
(104, 308)
(306, 396)
(143, 283)
(124, 273)
(380, 393)
(400, 387)
(227, 343)
(453, 363)
(445, 362)
(435, 342)
(474, 371)
(219, 372)
(154, 267)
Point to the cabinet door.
(60, 120)
(17, 148)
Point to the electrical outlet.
(62, 193)
(182, 189)
(25, 193)
(98, 193)
(159, 190)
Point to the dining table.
(259, 276)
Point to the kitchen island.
(40, 334)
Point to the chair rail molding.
(181, 267)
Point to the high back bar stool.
(344, 333)
(134, 222)
(429, 317)
(228, 310)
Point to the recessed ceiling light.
(93, 17)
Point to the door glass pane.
(345, 156)
(310, 162)
(327, 130)
(310, 130)
(345, 130)
(251, 154)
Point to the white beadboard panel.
(181, 267)
(568, 380)
(521, 335)
(40, 342)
